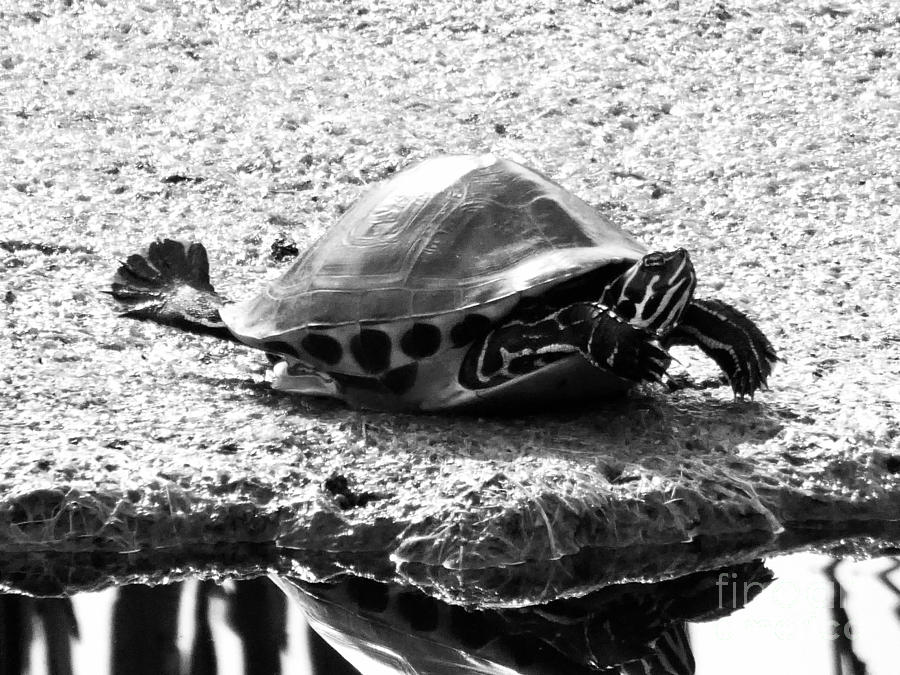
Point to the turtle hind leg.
(169, 284)
(729, 338)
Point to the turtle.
(625, 627)
(462, 281)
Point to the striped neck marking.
(652, 294)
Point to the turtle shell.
(449, 234)
(420, 267)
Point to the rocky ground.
(761, 136)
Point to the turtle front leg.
(729, 338)
(518, 347)
(615, 345)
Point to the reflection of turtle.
(461, 280)
(622, 628)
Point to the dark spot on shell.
(322, 347)
(469, 329)
(420, 341)
(420, 610)
(280, 347)
(372, 350)
(369, 595)
(470, 627)
(401, 380)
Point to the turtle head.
(652, 293)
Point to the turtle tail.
(169, 284)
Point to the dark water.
(798, 614)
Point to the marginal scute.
(323, 347)
(279, 347)
(372, 350)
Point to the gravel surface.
(761, 136)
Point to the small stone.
(283, 249)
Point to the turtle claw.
(626, 351)
(732, 340)
(657, 363)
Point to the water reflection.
(628, 628)
(145, 630)
(846, 662)
(19, 616)
(149, 632)
(202, 628)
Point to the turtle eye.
(654, 260)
